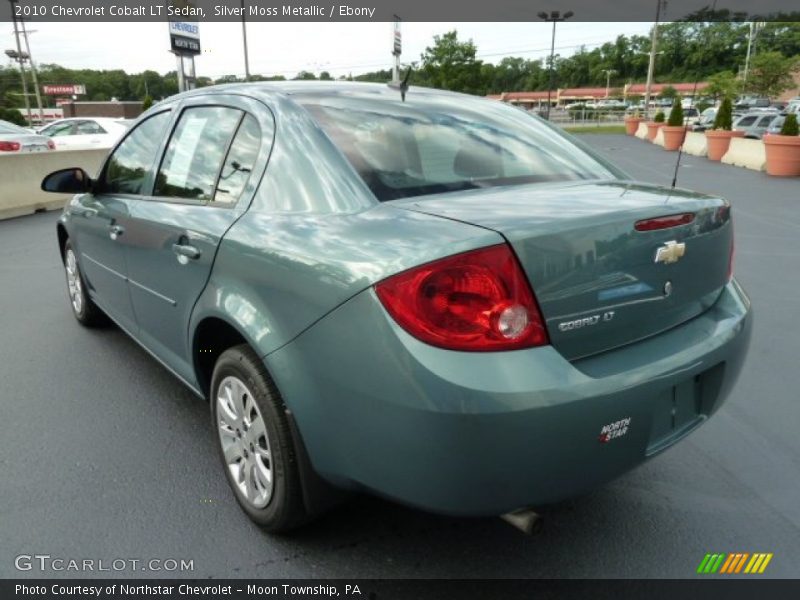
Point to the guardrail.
(21, 177)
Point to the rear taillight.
(478, 301)
(51, 144)
(664, 222)
(9, 146)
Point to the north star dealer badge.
(614, 430)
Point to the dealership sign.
(184, 37)
(68, 89)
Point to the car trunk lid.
(596, 277)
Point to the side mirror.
(68, 181)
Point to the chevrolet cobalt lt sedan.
(437, 298)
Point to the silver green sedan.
(438, 298)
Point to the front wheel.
(255, 441)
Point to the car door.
(100, 219)
(204, 182)
(61, 133)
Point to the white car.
(85, 132)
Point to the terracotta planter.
(673, 136)
(718, 141)
(632, 124)
(783, 155)
(652, 129)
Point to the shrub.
(659, 118)
(12, 115)
(724, 118)
(676, 114)
(790, 125)
(147, 103)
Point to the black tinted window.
(435, 143)
(239, 162)
(128, 166)
(195, 152)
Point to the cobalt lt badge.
(670, 252)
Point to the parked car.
(14, 138)
(441, 300)
(706, 119)
(755, 124)
(76, 133)
(691, 115)
(775, 126)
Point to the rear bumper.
(485, 433)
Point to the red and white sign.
(64, 89)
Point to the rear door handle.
(186, 251)
(115, 231)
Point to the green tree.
(724, 118)
(669, 93)
(451, 65)
(722, 85)
(147, 103)
(305, 75)
(676, 114)
(771, 74)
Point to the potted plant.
(632, 122)
(674, 130)
(783, 149)
(719, 137)
(654, 125)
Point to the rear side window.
(434, 143)
(88, 128)
(127, 168)
(195, 152)
(239, 162)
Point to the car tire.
(85, 310)
(255, 442)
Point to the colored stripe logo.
(735, 562)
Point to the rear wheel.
(83, 308)
(255, 441)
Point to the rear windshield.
(434, 143)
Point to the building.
(566, 96)
(114, 109)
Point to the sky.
(287, 48)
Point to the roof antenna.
(403, 85)
(685, 131)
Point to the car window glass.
(195, 152)
(59, 129)
(128, 166)
(239, 162)
(88, 128)
(765, 121)
(746, 121)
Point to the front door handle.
(185, 251)
(115, 231)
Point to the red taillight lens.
(9, 146)
(664, 222)
(51, 144)
(478, 301)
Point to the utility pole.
(20, 58)
(244, 43)
(397, 48)
(609, 73)
(652, 65)
(33, 72)
(751, 49)
(554, 16)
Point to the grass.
(596, 129)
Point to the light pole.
(33, 71)
(20, 57)
(554, 16)
(244, 44)
(651, 67)
(609, 73)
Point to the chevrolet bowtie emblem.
(670, 252)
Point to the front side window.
(88, 128)
(434, 143)
(58, 129)
(195, 152)
(127, 168)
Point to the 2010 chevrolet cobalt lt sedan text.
(439, 299)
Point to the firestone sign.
(64, 89)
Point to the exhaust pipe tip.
(526, 520)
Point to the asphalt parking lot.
(104, 455)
